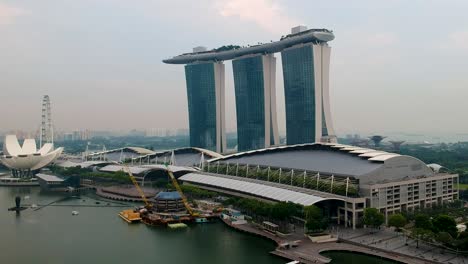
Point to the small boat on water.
(33, 205)
(201, 220)
(75, 212)
(177, 226)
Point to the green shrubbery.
(118, 176)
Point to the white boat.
(75, 212)
(33, 205)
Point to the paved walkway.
(385, 244)
(389, 240)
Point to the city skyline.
(383, 77)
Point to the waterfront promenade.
(389, 240)
(385, 244)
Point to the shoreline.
(308, 252)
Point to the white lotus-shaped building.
(24, 160)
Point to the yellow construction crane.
(148, 205)
(179, 190)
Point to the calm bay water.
(98, 235)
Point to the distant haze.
(396, 65)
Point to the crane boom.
(179, 190)
(140, 191)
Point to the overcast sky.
(395, 66)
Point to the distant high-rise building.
(254, 81)
(205, 92)
(306, 89)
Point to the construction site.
(170, 209)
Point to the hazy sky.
(396, 65)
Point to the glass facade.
(201, 94)
(250, 105)
(299, 92)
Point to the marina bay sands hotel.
(306, 61)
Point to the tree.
(421, 234)
(373, 218)
(398, 221)
(314, 218)
(423, 221)
(283, 210)
(444, 223)
(444, 238)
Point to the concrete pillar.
(338, 213)
(386, 216)
(354, 215)
(346, 214)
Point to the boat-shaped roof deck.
(308, 36)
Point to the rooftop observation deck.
(309, 36)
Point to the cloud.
(8, 14)
(267, 14)
(369, 48)
(459, 39)
(382, 39)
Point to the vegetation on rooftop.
(227, 47)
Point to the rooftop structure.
(117, 155)
(190, 156)
(307, 36)
(306, 60)
(25, 160)
(345, 179)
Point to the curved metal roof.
(331, 159)
(312, 35)
(254, 189)
(145, 168)
(182, 156)
(136, 150)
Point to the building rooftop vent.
(298, 29)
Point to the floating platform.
(177, 226)
(130, 216)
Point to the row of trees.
(439, 229)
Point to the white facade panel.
(219, 71)
(317, 51)
(269, 81)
